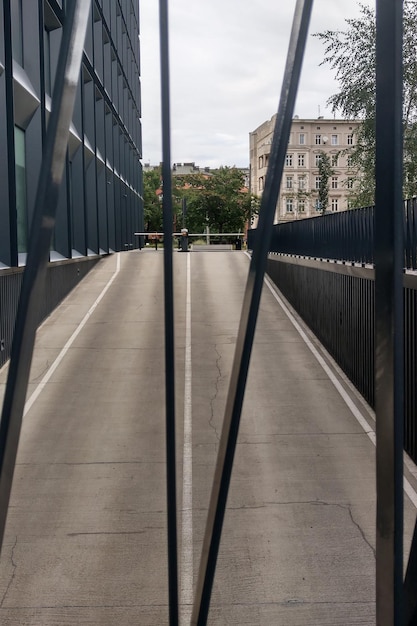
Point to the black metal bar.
(250, 309)
(167, 211)
(68, 71)
(11, 159)
(389, 366)
(410, 584)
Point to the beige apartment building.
(309, 138)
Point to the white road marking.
(408, 488)
(35, 395)
(186, 597)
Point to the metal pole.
(389, 362)
(167, 211)
(250, 309)
(43, 222)
(184, 212)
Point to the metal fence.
(337, 302)
(347, 236)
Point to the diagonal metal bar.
(68, 71)
(167, 211)
(249, 314)
(389, 349)
(410, 584)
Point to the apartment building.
(309, 139)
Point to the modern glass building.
(100, 204)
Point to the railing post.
(389, 365)
(167, 210)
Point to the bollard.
(184, 240)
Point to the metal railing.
(346, 236)
(337, 302)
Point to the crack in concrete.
(303, 434)
(14, 565)
(216, 391)
(345, 507)
(42, 374)
(348, 508)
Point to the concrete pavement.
(86, 535)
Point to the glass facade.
(17, 30)
(100, 204)
(21, 206)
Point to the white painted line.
(409, 490)
(35, 395)
(186, 598)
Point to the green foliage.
(351, 54)
(325, 171)
(152, 207)
(217, 200)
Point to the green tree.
(325, 171)
(152, 208)
(217, 201)
(351, 54)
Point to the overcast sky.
(227, 61)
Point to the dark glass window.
(17, 31)
(21, 205)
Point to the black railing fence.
(347, 236)
(337, 303)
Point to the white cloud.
(227, 61)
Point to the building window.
(261, 183)
(288, 160)
(17, 31)
(334, 160)
(334, 182)
(289, 205)
(301, 205)
(301, 182)
(266, 160)
(334, 140)
(318, 205)
(350, 140)
(349, 160)
(289, 182)
(349, 183)
(47, 56)
(302, 139)
(261, 162)
(317, 182)
(318, 140)
(335, 204)
(21, 204)
(301, 160)
(318, 159)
